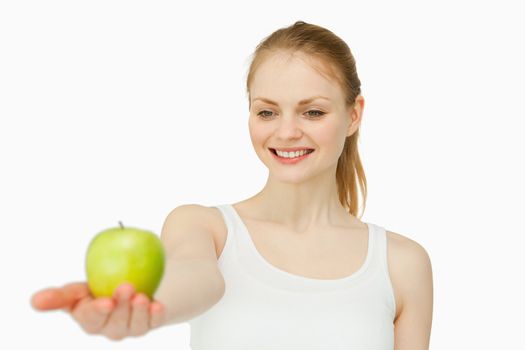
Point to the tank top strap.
(231, 223)
(381, 258)
(227, 215)
(381, 240)
(376, 243)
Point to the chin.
(290, 178)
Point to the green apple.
(121, 254)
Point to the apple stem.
(120, 223)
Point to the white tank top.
(264, 307)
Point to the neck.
(303, 206)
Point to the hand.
(125, 314)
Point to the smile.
(292, 160)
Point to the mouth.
(273, 150)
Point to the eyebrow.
(302, 102)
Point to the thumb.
(60, 298)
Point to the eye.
(317, 114)
(316, 111)
(263, 116)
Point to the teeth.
(291, 154)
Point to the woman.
(292, 266)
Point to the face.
(279, 120)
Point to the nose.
(289, 127)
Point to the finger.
(139, 321)
(60, 298)
(116, 327)
(157, 314)
(92, 314)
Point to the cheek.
(330, 137)
(258, 134)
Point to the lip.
(292, 149)
(287, 160)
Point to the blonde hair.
(323, 46)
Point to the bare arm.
(191, 284)
(189, 289)
(192, 281)
(413, 325)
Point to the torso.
(340, 253)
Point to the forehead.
(287, 76)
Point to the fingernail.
(105, 306)
(124, 292)
(140, 299)
(156, 307)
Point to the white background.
(123, 110)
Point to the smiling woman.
(282, 250)
(293, 266)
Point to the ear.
(355, 115)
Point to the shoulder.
(407, 250)
(194, 209)
(410, 268)
(191, 224)
(208, 217)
